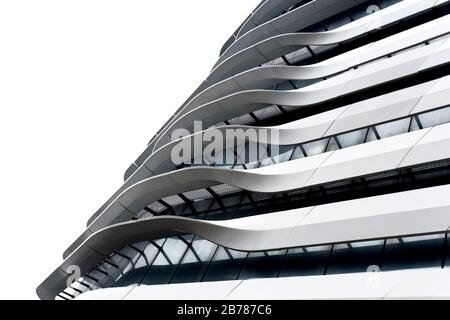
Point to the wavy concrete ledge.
(382, 108)
(426, 211)
(268, 10)
(292, 21)
(287, 43)
(233, 37)
(366, 76)
(412, 100)
(395, 105)
(265, 11)
(267, 77)
(383, 155)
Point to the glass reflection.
(355, 256)
(195, 261)
(262, 264)
(305, 261)
(413, 252)
(225, 265)
(166, 261)
(145, 260)
(436, 117)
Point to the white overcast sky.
(83, 86)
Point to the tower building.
(347, 103)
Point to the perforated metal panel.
(197, 194)
(321, 49)
(242, 120)
(173, 200)
(274, 62)
(297, 56)
(222, 189)
(267, 112)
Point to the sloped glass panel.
(165, 262)
(195, 261)
(393, 128)
(286, 85)
(262, 264)
(352, 138)
(413, 252)
(298, 153)
(414, 125)
(332, 145)
(371, 136)
(225, 265)
(355, 257)
(284, 154)
(434, 118)
(315, 147)
(305, 261)
(144, 261)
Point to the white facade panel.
(410, 284)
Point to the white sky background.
(84, 85)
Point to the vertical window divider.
(375, 131)
(444, 250)
(337, 142)
(282, 262)
(300, 145)
(209, 264)
(292, 84)
(218, 246)
(410, 123)
(328, 260)
(367, 134)
(189, 247)
(381, 258)
(419, 123)
(243, 266)
(159, 247)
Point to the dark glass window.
(246, 208)
(447, 252)
(145, 260)
(413, 252)
(195, 261)
(181, 259)
(166, 261)
(122, 262)
(355, 256)
(305, 261)
(226, 265)
(264, 264)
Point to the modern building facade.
(351, 199)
